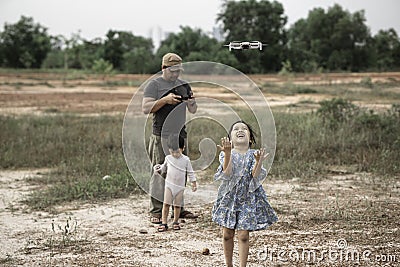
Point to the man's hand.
(191, 105)
(172, 99)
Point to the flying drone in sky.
(238, 45)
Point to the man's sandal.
(176, 226)
(188, 215)
(155, 219)
(163, 227)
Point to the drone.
(237, 45)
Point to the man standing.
(167, 98)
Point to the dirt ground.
(39, 94)
(343, 219)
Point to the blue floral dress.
(242, 203)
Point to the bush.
(367, 82)
(336, 111)
(101, 66)
(54, 60)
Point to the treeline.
(327, 40)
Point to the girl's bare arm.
(226, 146)
(260, 156)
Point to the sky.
(94, 18)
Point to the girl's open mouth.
(240, 135)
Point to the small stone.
(102, 233)
(143, 231)
(205, 251)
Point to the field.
(337, 198)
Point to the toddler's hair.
(175, 141)
(253, 135)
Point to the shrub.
(101, 66)
(336, 111)
(367, 82)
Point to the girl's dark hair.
(253, 135)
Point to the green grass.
(53, 74)
(307, 144)
(82, 150)
(130, 83)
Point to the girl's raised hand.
(226, 145)
(261, 155)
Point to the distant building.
(157, 34)
(218, 33)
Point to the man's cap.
(172, 61)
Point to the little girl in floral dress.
(242, 203)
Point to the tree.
(299, 55)
(256, 20)
(73, 50)
(121, 46)
(195, 45)
(77, 52)
(24, 44)
(187, 41)
(57, 57)
(114, 48)
(138, 60)
(90, 52)
(334, 40)
(387, 49)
